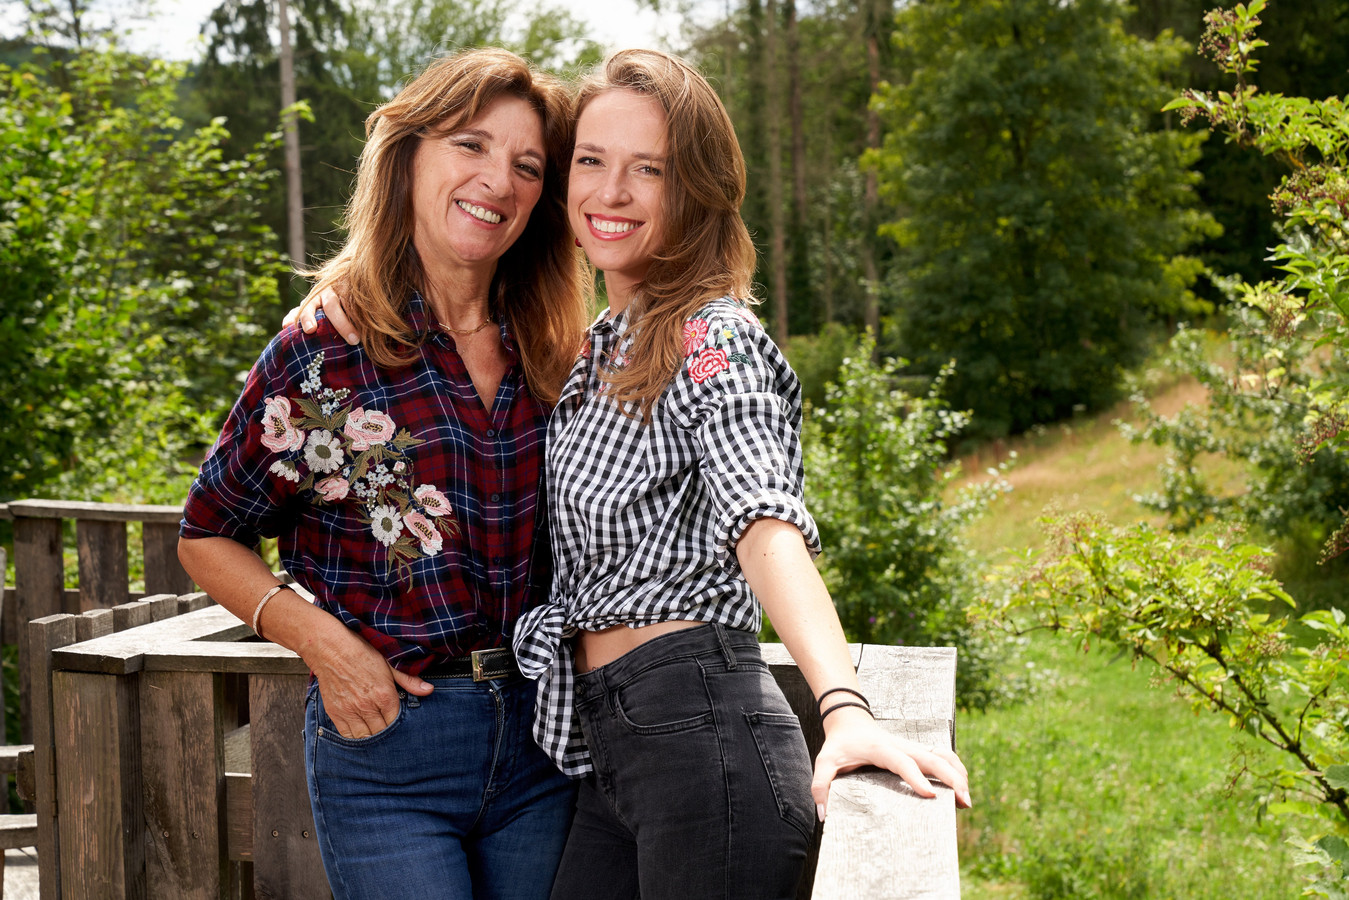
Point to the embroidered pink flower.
(278, 434)
(710, 362)
(432, 501)
(695, 332)
(424, 530)
(367, 427)
(333, 488)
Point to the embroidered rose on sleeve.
(279, 434)
(712, 361)
(695, 333)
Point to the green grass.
(1102, 784)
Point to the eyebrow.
(596, 148)
(489, 136)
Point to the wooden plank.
(44, 635)
(25, 778)
(882, 839)
(125, 651)
(9, 757)
(17, 830)
(211, 656)
(164, 574)
(133, 614)
(39, 584)
(192, 602)
(95, 720)
(103, 564)
(239, 794)
(182, 765)
(286, 863)
(94, 624)
(162, 606)
(95, 512)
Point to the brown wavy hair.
(537, 286)
(708, 252)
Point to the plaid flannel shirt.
(644, 519)
(411, 512)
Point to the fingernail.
(352, 338)
(819, 811)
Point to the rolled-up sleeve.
(741, 399)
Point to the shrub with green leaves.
(1198, 608)
(894, 560)
(135, 277)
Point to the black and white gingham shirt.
(645, 518)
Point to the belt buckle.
(476, 656)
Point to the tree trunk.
(871, 191)
(795, 111)
(777, 226)
(294, 196)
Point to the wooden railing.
(101, 538)
(171, 765)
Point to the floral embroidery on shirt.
(712, 360)
(336, 450)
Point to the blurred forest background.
(979, 232)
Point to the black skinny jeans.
(701, 786)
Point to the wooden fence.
(167, 760)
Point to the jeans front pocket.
(786, 760)
(666, 698)
(327, 731)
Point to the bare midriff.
(597, 648)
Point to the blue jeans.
(452, 800)
(702, 778)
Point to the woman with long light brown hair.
(403, 479)
(674, 474)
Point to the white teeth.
(478, 212)
(612, 227)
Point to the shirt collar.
(421, 320)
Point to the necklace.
(465, 332)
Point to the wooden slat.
(93, 624)
(17, 831)
(286, 863)
(881, 839)
(95, 720)
(205, 633)
(164, 574)
(132, 614)
(239, 794)
(9, 757)
(182, 764)
(103, 564)
(38, 574)
(192, 602)
(95, 512)
(45, 635)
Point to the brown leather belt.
(480, 665)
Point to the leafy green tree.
(135, 273)
(876, 481)
(1039, 220)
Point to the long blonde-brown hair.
(537, 286)
(708, 252)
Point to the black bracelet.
(847, 703)
(857, 694)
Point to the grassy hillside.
(1103, 784)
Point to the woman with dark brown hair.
(403, 479)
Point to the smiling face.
(474, 187)
(616, 188)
